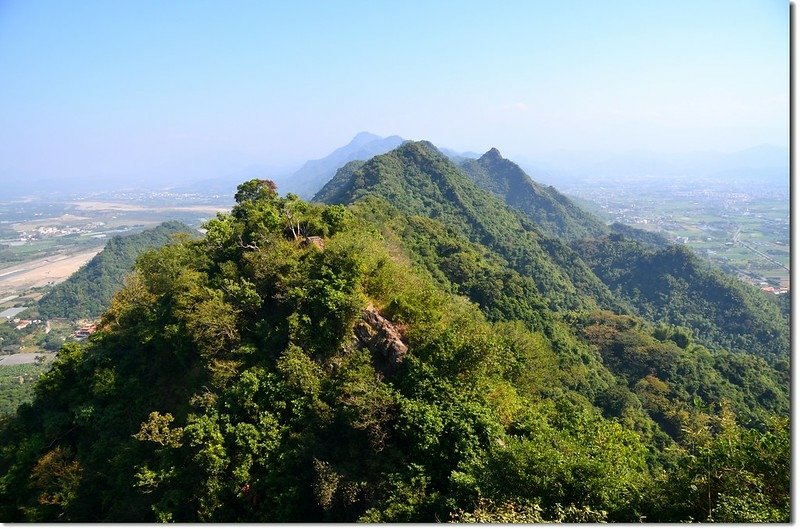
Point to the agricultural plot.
(744, 230)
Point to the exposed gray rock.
(382, 338)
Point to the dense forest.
(88, 291)
(414, 349)
(417, 179)
(673, 284)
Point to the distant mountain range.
(220, 173)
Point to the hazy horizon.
(117, 90)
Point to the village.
(23, 338)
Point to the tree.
(728, 473)
(255, 189)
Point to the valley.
(43, 271)
(43, 243)
(740, 226)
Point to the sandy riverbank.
(23, 358)
(40, 272)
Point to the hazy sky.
(114, 86)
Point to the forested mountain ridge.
(661, 282)
(87, 292)
(672, 284)
(390, 360)
(553, 213)
(314, 173)
(637, 349)
(419, 180)
(647, 278)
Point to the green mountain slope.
(637, 349)
(554, 214)
(418, 183)
(648, 238)
(674, 285)
(657, 280)
(87, 292)
(310, 178)
(336, 189)
(306, 362)
(448, 237)
(417, 179)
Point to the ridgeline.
(412, 350)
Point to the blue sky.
(113, 87)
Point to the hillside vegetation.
(414, 351)
(258, 375)
(672, 284)
(417, 179)
(618, 268)
(88, 291)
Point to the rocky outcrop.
(314, 240)
(383, 340)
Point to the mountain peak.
(492, 154)
(419, 146)
(364, 137)
(556, 215)
(313, 175)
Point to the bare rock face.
(314, 240)
(377, 334)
